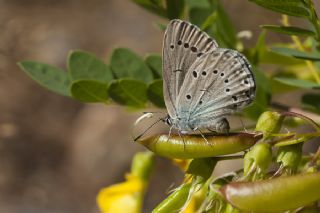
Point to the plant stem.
(314, 19)
(297, 42)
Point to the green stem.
(314, 19)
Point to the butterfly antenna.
(142, 117)
(145, 131)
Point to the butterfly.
(202, 83)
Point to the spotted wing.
(216, 85)
(183, 44)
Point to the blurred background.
(55, 152)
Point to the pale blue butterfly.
(202, 83)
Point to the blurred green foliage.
(135, 82)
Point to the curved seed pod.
(274, 195)
(195, 146)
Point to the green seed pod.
(312, 208)
(142, 164)
(194, 146)
(274, 195)
(290, 156)
(260, 156)
(175, 201)
(269, 123)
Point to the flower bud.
(260, 157)
(290, 156)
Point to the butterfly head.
(168, 120)
(179, 123)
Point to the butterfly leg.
(243, 126)
(223, 126)
(169, 133)
(184, 145)
(202, 135)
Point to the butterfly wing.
(183, 44)
(216, 85)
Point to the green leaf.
(129, 92)
(312, 101)
(263, 95)
(154, 62)
(262, 55)
(288, 7)
(174, 8)
(155, 93)
(198, 4)
(126, 64)
(221, 27)
(154, 6)
(298, 83)
(268, 57)
(50, 77)
(90, 91)
(85, 66)
(209, 21)
(198, 16)
(225, 28)
(259, 48)
(295, 53)
(289, 30)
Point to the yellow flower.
(122, 197)
(128, 196)
(191, 208)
